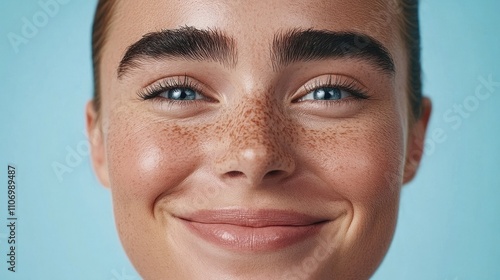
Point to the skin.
(251, 146)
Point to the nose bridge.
(256, 122)
(254, 140)
(254, 128)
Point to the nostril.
(273, 173)
(233, 174)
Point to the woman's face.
(254, 139)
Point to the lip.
(252, 230)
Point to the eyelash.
(333, 81)
(341, 83)
(154, 90)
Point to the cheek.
(376, 163)
(361, 161)
(148, 159)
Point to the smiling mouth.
(252, 230)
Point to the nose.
(255, 144)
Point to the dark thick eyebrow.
(306, 45)
(184, 43)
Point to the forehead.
(253, 22)
(242, 12)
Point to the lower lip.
(252, 239)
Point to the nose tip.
(256, 164)
(254, 142)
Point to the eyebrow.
(291, 46)
(184, 43)
(307, 45)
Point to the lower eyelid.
(322, 104)
(170, 104)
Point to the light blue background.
(449, 225)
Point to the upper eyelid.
(187, 80)
(334, 79)
(173, 81)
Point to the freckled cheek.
(362, 164)
(148, 162)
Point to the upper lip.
(252, 218)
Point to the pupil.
(327, 94)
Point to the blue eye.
(181, 89)
(180, 93)
(326, 93)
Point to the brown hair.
(409, 25)
(410, 30)
(100, 29)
